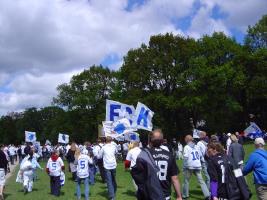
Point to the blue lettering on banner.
(129, 111)
(112, 111)
(143, 117)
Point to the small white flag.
(30, 136)
(63, 138)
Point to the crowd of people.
(217, 162)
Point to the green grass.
(41, 188)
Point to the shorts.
(2, 177)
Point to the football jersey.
(221, 170)
(192, 157)
(167, 168)
(83, 166)
(54, 166)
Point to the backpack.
(145, 176)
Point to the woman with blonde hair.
(71, 158)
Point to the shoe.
(25, 189)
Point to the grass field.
(41, 188)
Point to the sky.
(43, 43)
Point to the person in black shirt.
(225, 176)
(168, 170)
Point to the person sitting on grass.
(54, 168)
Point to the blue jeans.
(187, 175)
(110, 175)
(86, 187)
(92, 172)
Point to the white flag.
(30, 136)
(143, 117)
(63, 138)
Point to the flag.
(133, 137)
(143, 117)
(63, 138)
(47, 142)
(253, 131)
(117, 128)
(30, 136)
(196, 133)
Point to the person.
(12, 153)
(166, 162)
(257, 162)
(192, 165)
(180, 151)
(83, 161)
(54, 168)
(125, 148)
(131, 157)
(99, 159)
(226, 178)
(3, 170)
(27, 167)
(70, 158)
(228, 142)
(236, 151)
(240, 138)
(202, 145)
(108, 153)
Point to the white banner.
(196, 133)
(63, 138)
(116, 110)
(143, 117)
(30, 136)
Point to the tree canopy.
(212, 79)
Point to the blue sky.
(44, 43)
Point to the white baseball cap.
(229, 134)
(259, 141)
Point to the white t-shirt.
(228, 143)
(54, 166)
(108, 153)
(96, 151)
(12, 150)
(202, 147)
(192, 157)
(83, 166)
(132, 155)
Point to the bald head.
(156, 138)
(188, 139)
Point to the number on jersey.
(195, 155)
(82, 164)
(163, 167)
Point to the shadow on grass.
(129, 193)
(103, 194)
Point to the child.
(54, 168)
(82, 160)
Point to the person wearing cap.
(83, 161)
(258, 163)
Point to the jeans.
(187, 175)
(86, 187)
(261, 191)
(92, 172)
(55, 185)
(205, 173)
(111, 182)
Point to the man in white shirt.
(202, 145)
(192, 165)
(83, 162)
(99, 162)
(108, 153)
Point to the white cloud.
(203, 23)
(44, 42)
